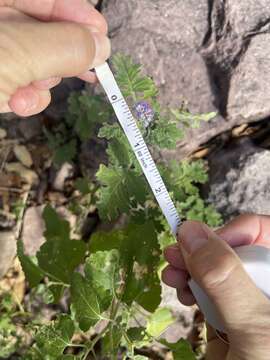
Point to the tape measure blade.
(138, 145)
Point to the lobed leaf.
(121, 189)
(159, 321)
(165, 134)
(59, 255)
(92, 294)
(32, 271)
(52, 340)
(131, 80)
(140, 255)
(181, 350)
(184, 116)
(85, 112)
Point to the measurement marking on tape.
(138, 145)
(116, 101)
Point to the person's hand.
(43, 41)
(208, 257)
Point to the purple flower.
(144, 112)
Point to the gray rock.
(249, 95)
(239, 181)
(248, 15)
(208, 53)
(8, 249)
(184, 316)
(65, 172)
(33, 228)
(165, 37)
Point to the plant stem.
(114, 310)
(113, 313)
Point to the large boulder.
(248, 16)
(249, 95)
(211, 54)
(165, 37)
(239, 180)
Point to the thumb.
(37, 50)
(219, 272)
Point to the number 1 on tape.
(138, 145)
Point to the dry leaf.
(26, 174)
(23, 155)
(3, 133)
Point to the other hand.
(208, 257)
(43, 41)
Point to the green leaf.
(159, 321)
(165, 134)
(192, 120)
(62, 143)
(111, 342)
(181, 350)
(32, 271)
(120, 191)
(131, 80)
(102, 241)
(102, 271)
(151, 297)
(91, 295)
(140, 254)
(136, 334)
(119, 153)
(59, 255)
(56, 227)
(87, 304)
(111, 132)
(85, 112)
(59, 259)
(52, 339)
(65, 153)
(83, 185)
(113, 199)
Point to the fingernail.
(103, 48)
(193, 236)
(93, 29)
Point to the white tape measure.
(138, 145)
(255, 259)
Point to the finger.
(47, 84)
(4, 108)
(186, 297)
(89, 77)
(53, 10)
(174, 277)
(64, 50)
(174, 257)
(219, 272)
(216, 348)
(29, 101)
(247, 229)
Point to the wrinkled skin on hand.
(43, 41)
(208, 257)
